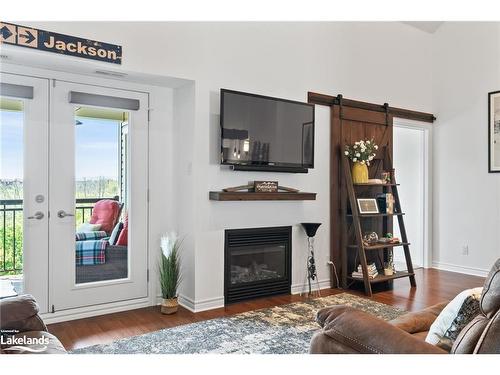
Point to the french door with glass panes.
(24, 121)
(98, 195)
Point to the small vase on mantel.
(359, 173)
(169, 306)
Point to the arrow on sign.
(5, 32)
(29, 37)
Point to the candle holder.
(311, 229)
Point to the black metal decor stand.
(312, 275)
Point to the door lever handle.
(62, 214)
(38, 216)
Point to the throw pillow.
(115, 233)
(105, 212)
(123, 237)
(455, 316)
(87, 227)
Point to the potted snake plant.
(170, 272)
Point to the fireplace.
(257, 263)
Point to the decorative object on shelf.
(266, 186)
(386, 177)
(311, 229)
(494, 132)
(170, 272)
(385, 203)
(261, 187)
(389, 269)
(372, 271)
(389, 239)
(361, 153)
(367, 206)
(375, 181)
(382, 202)
(360, 173)
(370, 238)
(389, 202)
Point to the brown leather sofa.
(347, 330)
(19, 321)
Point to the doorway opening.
(412, 167)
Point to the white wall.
(466, 197)
(377, 62)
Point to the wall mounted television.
(262, 133)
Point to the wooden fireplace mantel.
(252, 196)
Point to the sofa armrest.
(347, 330)
(419, 321)
(20, 314)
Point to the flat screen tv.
(264, 133)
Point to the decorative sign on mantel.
(266, 186)
(42, 40)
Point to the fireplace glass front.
(257, 262)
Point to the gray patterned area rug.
(285, 329)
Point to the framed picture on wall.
(494, 132)
(367, 206)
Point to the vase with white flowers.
(170, 272)
(361, 154)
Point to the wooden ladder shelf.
(352, 230)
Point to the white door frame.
(426, 128)
(64, 293)
(35, 183)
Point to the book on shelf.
(359, 275)
(372, 271)
(371, 267)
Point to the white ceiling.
(427, 26)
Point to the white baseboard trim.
(218, 302)
(304, 288)
(86, 312)
(198, 306)
(460, 269)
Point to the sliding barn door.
(357, 124)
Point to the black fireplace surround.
(257, 263)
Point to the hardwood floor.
(433, 286)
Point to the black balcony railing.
(11, 230)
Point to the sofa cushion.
(489, 342)
(454, 317)
(470, 335)
(20, 313)
(490, 299)
(420, 335)
(419, 321)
